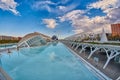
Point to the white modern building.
(33, 39)
(103, 37)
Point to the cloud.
(43, 5)
(50, 23)
(69, 7)
(72, 15)
(78, 31)
(105, 5)
(111, 8)
(113, 16)
(84, 23)
(62, 7)
(64, 1)
(9, 5)
(59, 7)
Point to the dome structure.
(54, 37)
(33, 39)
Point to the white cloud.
(83, 23)
(62, 7)
(113, 16)
(78, 31)
(50, 23)
(43, 5)
(69, 7)
(64, 1)
(9, 5)
(105, 5)
(112, 10)
(72, 15)
(57, 8)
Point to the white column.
(73, 45)
(118, 78)
(108, 59)
(27, 44)
(92, 52)
(77, 47)
(83, 48)
(106, 63)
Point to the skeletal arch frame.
(113, 50)
(32, 41)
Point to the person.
(9, 51)
(17, 48)
(96, 59)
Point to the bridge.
(111, 51)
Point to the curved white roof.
(33, 39)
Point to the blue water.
(51, 62)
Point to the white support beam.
(114, 50)
(72, 44)
(106, 63)
(81, 51)
(92, 52)
(117, 53)
(109, 57)
(27, 44)
(77, 46)
(83, 48)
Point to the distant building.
(6, 38)
(2, 37)
(108, 34)
(19, 38)
(115, 29)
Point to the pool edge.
(4, 74)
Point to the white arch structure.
(110, 50)
(33, 39)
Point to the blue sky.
(61, 17)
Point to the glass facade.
(33, 41)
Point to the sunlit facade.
(115, 29)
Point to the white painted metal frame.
(113, 50)
(27, 40)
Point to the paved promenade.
(112, 70)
